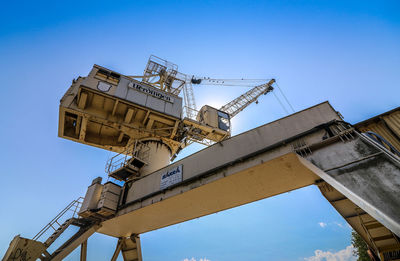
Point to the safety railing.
(190, 113)
(137, 149)
(56, 222)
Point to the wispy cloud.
(342, 255)
(339, 224)
(322, 224)
(194, 259)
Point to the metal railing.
(118, 161)
(55, 223)
(138, 149)
(190, 113)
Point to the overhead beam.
(82, 132)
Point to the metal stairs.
(33, 249)
(127, 164)
(54, 224)
(58, 232)
(77, 239)
(380, 240)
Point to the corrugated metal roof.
(386, 125)
(393, 122)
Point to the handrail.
(75, 203)
(121, 159)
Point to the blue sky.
(347, 52)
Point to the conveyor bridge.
(355, 173)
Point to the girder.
(358, 176)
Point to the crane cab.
(214, 118)
(110, 110)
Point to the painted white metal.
(171, 177)
(159, 156)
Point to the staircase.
(380, 240)
(33, 249)
(127, 164)
(71, 244)
(57, 224)
(58, 232)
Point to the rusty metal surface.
(386, 125)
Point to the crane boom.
(190, 102)
(244, 100)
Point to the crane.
(143, 117)
(140, 118)
(240, 103)
(165, 75)
(247, 98)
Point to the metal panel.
(171, 110)
(155, 104)
(122, 89)
(108, 203)
(210, 195)
(111, 187)
(24, 249)
(160, 101)
(224, 175)
(240, 145)
(109, 196)
(386, 125)
(393, 122)
(92, 197)
(175, 108)
(366, 174)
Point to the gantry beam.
(305, 148)
(253, 165)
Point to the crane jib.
(244, 100)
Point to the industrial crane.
(240, 103)
(141, 119)
(165, 77)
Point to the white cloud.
(193, 259)
(322, 224)
(339, 224)
(342, 255)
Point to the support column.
(83, 250)
(117, 250)
(138, 246)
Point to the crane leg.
(130, 248)
(83, 251)
(117, 250)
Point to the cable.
(284, 96)
(281, 103)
